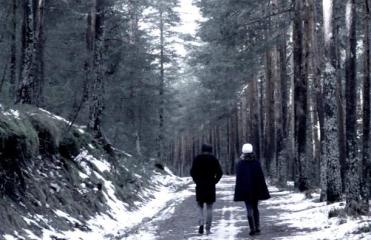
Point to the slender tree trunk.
(32, 75)
(237, 137)
(231, 144)
(255, 109)
(353, 201)
(13, 51)
(38, 63)
(269, 122)
(261, 121)
(27, 76)
(340, 103)
(366, 163)
(97, 80)
(161, 88)
(299, 94)
(283, 126)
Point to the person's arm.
(193, 171)
(219, 171)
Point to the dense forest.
(292, 77)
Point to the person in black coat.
(250, 186)
(206, 173)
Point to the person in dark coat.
(206, 173)
(250, 186)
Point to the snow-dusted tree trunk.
(353, 182)
(255, 109)
(161, 136)
(96, 42)
(309, 165)
(285, 155)
(32, 69)
(366, 162)
(38, 63)
(13, 50)
(330, 164)
(25, 93)
(270, 77)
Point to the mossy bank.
(48, 168)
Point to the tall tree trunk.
(13, 51)
(161, 87)
(353, 201)
(97, 72)
(27, 75)
(366, 163)
(340, 102)
(308, 165)
(231, 144)
(255, 109)
(301, 179)
(269, 106)
(32, 75)
(330, 167)
(38, 63)
(283, 126)
(237, 137)
(261, 121)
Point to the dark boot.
(252, 226)
(201, 229)
(257, 222)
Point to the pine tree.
(164, 19)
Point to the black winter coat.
(250, 181)
(206, 173)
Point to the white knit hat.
(247, 148)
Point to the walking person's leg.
(250, 217)
(200, 206)
(209, 216)
(256, 217)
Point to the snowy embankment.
(305, 217)
(64, 184)
(119, 217)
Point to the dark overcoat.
(206, 173)
(250, 181)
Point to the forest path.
(179, 219)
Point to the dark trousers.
(209, 214)
(253, 211)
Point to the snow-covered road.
(287, 215)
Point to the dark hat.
(207, 148)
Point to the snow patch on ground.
(12, 113)
(163, 208)
(84, 158)
(59, 118)
(309, 217)
(54, 116)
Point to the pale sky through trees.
(189, 15)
